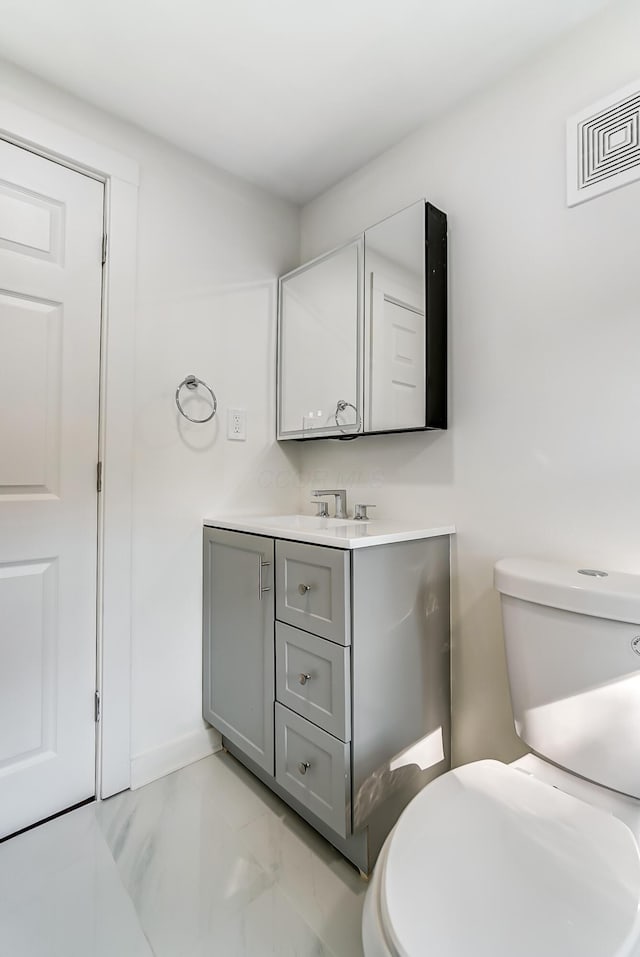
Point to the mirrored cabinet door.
(319, 346)
(395, 322)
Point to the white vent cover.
(603, 146)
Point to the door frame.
(120, 176)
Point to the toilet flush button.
(594, 572)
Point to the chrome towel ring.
(192, 383)
(340, 408)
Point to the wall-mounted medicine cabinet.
(362, 333)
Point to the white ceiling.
(290, 94)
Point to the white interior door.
(397, 394)
(51, 226)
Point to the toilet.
(538, 858)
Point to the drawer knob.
(302, 678)
(303, 767)
(303, 589)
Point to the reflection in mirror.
(395, 330)
(318, 346)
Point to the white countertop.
(336, 533)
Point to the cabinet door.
(238, 641)
(319, 330)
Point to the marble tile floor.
(205, 862)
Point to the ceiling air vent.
(603, 146)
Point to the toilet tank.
(572, 640)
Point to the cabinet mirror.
(362, 333)
(319, 345)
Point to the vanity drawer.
(312, 589)
(313, 678)
(315, 768)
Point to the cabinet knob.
(302, 678)
(303, 767)
(303, 589)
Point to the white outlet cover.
(236, 425)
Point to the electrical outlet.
(236, 425)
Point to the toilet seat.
(490, 862)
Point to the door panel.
(30, 386)
(28, 644)
(31, 224)
(398, 393)
(51, 224)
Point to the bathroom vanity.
(326, 664)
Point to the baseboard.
(155, 763)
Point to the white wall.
(209, 249)
(542, 457)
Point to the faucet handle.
(322, 509)
(360, 513)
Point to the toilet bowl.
(490, 861)
(532, 859)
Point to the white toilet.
(533, 859)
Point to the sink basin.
(303, 522)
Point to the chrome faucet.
(340, 495)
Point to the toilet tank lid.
(583, 589)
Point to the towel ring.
(192, 383)
(340, 407)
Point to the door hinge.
(104, 248)
(99, 477)
(96, 707)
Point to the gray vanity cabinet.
(238, 660)
(333, 687)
